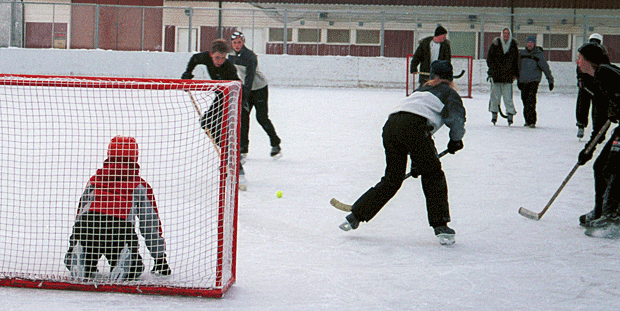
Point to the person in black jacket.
(219, 68)
(255, 94)
(408, 133)
(585, 97)
(605, 217)
(503, 63)
(429, 50)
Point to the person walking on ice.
(503, 63)
(104, 226)
(255, 94)
(408, 133)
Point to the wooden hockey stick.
(347, 208)
(455, 77)
(206, 129)
(537, 216)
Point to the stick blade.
(339, 205)
(528, 214)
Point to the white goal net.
(111, 184)
(462, 68)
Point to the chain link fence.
(388, 31)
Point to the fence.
(392, 32)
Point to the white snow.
(292, 256)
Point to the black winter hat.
(440, 31)
(441, 69)
(593, 52)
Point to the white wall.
(282, 70)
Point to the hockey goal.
(460, 64)
(57, 133)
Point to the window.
(368, 37)
(309, 35)
(338, 36)
(556, 41)
(277, 34)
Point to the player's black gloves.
(161, 266)
(551, 87)
(187, 75)
(584, 156)
(454, 146)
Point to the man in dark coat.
(429, 50)
(532, 64)
(503, 63)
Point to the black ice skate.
(445, 235)
(351, 224)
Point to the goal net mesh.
(55, 134)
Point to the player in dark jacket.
(430, 49)
(219, 68)
(604, 219)
(408, 133)
(104, 226)
(503, 63)
(255, 94)
(585, 97)
(532, 64)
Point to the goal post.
(173, 186)
(459, 64)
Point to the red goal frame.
(225, 267)
(410, 80)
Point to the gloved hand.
(584, 156)
(414, 172)
(187, 75)
(551, 86)
(454, 146)
(161, 266)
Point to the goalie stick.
(455, 77)
(537, 216)
(347, 208)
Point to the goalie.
(104, 225)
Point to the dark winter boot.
(445, 234)
(493, 117)
(509, 120)
(586, 219)
(275, 151)
(580, 130)
(351, 224)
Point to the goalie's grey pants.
(406, 134)
(105, 235)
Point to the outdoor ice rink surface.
(292, 256)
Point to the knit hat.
(441, 69)
(440, 31)
(531, 38)
(595, 37)
(593, 52)
(123, 147)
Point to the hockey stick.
(537, 216)
(206, 129)
(455, 77)
(347, 208)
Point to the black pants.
(606, 183)
(406, 134)
(259, 99)
(105, 235)
(211, 120)
(528, 96)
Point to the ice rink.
(292, 256)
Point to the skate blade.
(345, 226)
(446, 239)
(277, 156)
(609, 232)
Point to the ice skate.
(606, 226)
(445, 235)
(276, 152)
(351, 224)
(580, 132)
(586, 219)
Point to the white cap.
(596, 36)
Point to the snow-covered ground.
(292, 256)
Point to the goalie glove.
(161, 266)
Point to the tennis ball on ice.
(279, 194)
